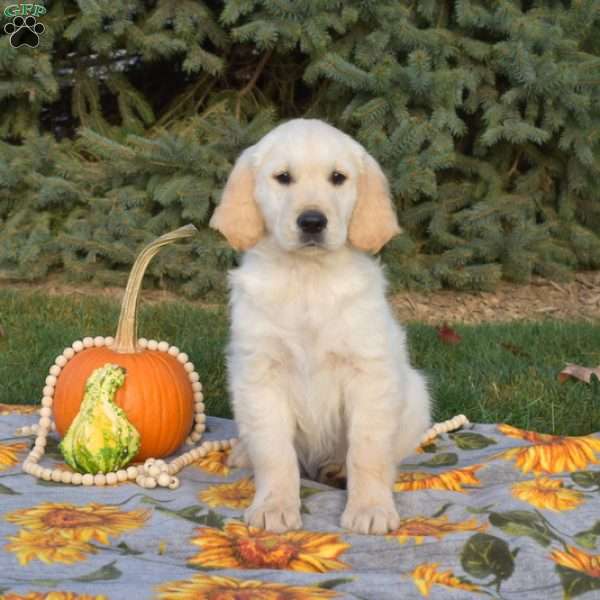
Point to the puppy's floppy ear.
(374, 221)
(238, 217)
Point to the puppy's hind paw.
(376, 519)
(274, 517)
(238, 457)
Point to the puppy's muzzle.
(312, 222)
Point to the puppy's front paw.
(273, 516)
(376, 519)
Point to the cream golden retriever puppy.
(318, 367)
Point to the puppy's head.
(312, 187)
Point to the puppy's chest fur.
(307, 312)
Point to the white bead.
(87, 479)
(199, 428)
(48, 391)
(68, 353)
(149, 482)
(122, 475)
(37, 471)
(153, 471)
(164, 479)
(160, 463)
(152, 345)
(143, 343)
(163, 346)
(200, 418)
(66, 477)
(108, 340)
(173, 350)
(189, 367)
(140, 480)
(174, 484)
(111, 478)
(44, 422)
(182, 357)
(41, 441)
(88, 342)
(202, 452)
(35, 455)
(54, 370)
(77, 346)
(132, 472)
(149, 463)
(196, 386)
(56, 475)
(27, 466)
(195, 437)
(99, 479)
(99, 341)
(198, 396)
(60, 360)
(199, 407)
(194, 377)
(51, 380)
(47, 401)
(76, 479)
(45, 411)
(172, 468)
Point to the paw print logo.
(24, 32)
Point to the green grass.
(497, 373)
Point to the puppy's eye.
(284, 178)
(337, 178)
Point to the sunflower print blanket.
(492, 511)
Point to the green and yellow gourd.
(100, 438)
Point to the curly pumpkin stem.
(126, 336)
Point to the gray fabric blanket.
(492, 511)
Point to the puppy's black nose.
(312, 221)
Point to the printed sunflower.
(239, 546)
(202, 586)
(550, 453)
(85, 523)
(453, 480)
(550, 494)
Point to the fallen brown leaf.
(578, 372)
(448, 335)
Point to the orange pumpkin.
(157, 396)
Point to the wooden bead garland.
(154, 472)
